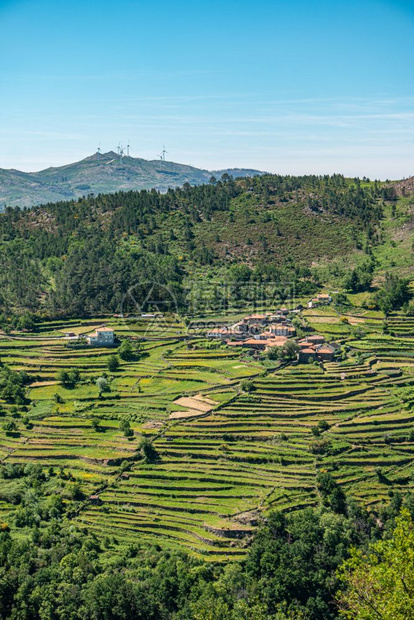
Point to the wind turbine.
(98, 152)
(128, 147)
(163, 153)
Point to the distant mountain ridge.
(106, 174)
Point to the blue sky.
(289, 86)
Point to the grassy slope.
(216, 473)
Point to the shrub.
(323, 425)
(247, 385)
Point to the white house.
(102, 337)
(323, 299)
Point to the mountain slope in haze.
(108, 174)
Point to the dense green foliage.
(380, 582)
(360, 278)
(83, 256)
(394, 294)
(61, 572)
(69, 378)
(12, 385)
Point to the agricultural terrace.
(227, 450)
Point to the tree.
(147, 450)
(359, 279)
(68, 378)
(289, 351)
(340, 299)
(63, 378)
(273, 353)
(112, 363)
(74, 376)
(331, 493)
(323, 426)
(102, 384)
(26, 421)
(10, 427)
(26, 322)
(75, 492)
(409, 308)
(125, 427)
(394, 293)
(96, 424)
(358, 332)
(239, 275)
(380, 583)
(115, 597)
(127, 351)
(12, 385)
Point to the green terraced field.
(218, 472)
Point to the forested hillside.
(283, 229)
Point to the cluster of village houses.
(256, 332)
(261, 332)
